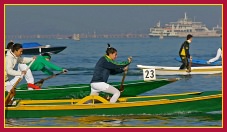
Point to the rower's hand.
(23, 72)
(125, 68)
(34, 57)
(65, 70)
(130, 59)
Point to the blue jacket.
(105, 66)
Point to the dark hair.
(16, 47)
(10, 45)
(189, 36)
(46, 54)
(110, 50)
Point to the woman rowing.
(103, 68)
(13, 56)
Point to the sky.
(108, 19)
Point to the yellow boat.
(95, 105)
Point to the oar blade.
(10, 95)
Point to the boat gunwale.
(87, 86)
(177, 68)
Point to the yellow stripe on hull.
(73, 101)
(107, 105)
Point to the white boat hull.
(162, 70)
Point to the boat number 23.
(149, 74)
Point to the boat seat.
(92, 98)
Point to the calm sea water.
(81, 56)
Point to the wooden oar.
(40, 82)
(12, 92)
(121, 89)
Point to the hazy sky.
(102, 19)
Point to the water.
(81, 56)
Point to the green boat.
(182, 103)
(78, 91)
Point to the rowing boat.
(131, 88)
(182, 103)
(162, 70)
(200, 62)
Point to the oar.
(40, 82)
(12, 92)
(121, 89)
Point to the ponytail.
(10, 45)
(110, 50)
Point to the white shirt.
(11, 61)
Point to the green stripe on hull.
(77, 91)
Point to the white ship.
(182, 28)
(218, 29)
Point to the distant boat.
(34, 48)
(75, 37)
(200, 62)
(165, 70)
(182, 28)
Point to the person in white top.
(218, 55)
(13, 57)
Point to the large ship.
(182, 28)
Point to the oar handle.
(123, 78)
(59, 73)
(122, 81)
(125, 72)
(50, 77)
(40, 82)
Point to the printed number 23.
(149, 73)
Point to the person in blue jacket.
(103, 68)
